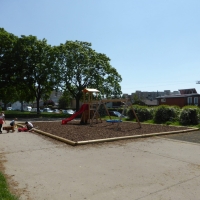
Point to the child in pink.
(2, 119)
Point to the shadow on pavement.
(193, 136)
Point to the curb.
(70, 142)
(52, 136)
(134, 136)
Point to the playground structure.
(90, 97)
(91, 105)
(126, 102)
(88, 108)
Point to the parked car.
(116, 114)
(28, 108)
(9, 108)
(47, 110)
(69, 111)
(56, 111)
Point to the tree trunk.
(4, 106)
(22, 103)
(38, 105)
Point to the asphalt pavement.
(188, 137)
(156, 168)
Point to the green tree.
(23, 94)
(8, 95)
(7, 43)
(137, 100)
(81, 67)
(35, 67)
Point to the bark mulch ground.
(75, 132)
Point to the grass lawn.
(4, 190)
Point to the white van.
(28, 108)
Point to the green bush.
(130, 113)
(143, 113)
(166, 113)
(189, 115)
(152, 111)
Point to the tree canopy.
(82, 67)
(35, 69)
(7, 43)
(35, 63)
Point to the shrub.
(189, 115)
(152, 111)
(143, 113)
(165, 113)
(130, 113)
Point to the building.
(149, 98)
(185, 97)
(18, 106)
(144, 95)
(151, 102)
(55, 96)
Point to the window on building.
(196, 101)
(189, 100)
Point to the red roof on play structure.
(90, 90)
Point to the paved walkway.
(143, 169)
(188, 137)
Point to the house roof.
(150, 103)
(188, 91)
(178, 96)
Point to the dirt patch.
(74, 131)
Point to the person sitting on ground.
(29, 126)
(12, 123)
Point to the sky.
(153, 44)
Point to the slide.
(81, 110)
